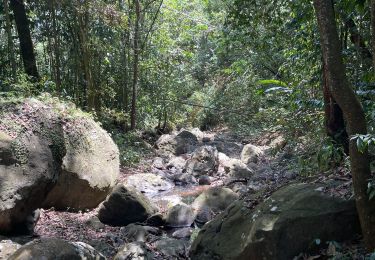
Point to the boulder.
(176, 144)
(135, 251)
(230, 149)
(7, 248)
(236, 169)
(191, 137)
(204, 161)
(178, 163)
(182, 233)
(90, 168)
(148, 183)
(124, 206)
(172, 248)
(53, 248)
(281, 227)
(138, 233)
(250, 154)
(213, 200)
(29, 164)
(158, 163)
(180, 215)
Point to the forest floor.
(274, 171)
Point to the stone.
(236, 169)
(182, 233)
(204, 180)
(250, 154)
(8, 248)
(281, 227)
(176, 144)
(95, 223)
(148, 183)
(231, 149)
(124, 206)
(177, 163)
(156, 220)
(135, 251)
(158, 163)
(138, 233)
(53, 248)
(90, 166)
(204, 161)
(28, 169)
(216, 199)
(172, 248)
(180, 215)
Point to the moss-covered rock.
(283, 226)
(43, 142)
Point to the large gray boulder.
(56, 249)
(48, 148)
(31, 150)
(204, 161)
(90, 168)
(184, 142)
(283, 226)
(180, 215)
(124, 206)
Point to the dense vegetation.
(156, 65)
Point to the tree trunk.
(333, 116)
(56, 45)
(8, 28)
(353, 113)
(26, 44)
(135, 65)
(372, 7)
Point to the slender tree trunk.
(56, 46)
(135, 65)
(26, 43)
(353, 113)
(333, 116)
(372, 8)
(90, 95)
(8, 28)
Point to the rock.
(180, 215)
(95, 223)
(280, 228)
(28, 169)
(172, 248)
(182, 233)
(217, 199)
(231, 149)
(204, 161)
(198, 133)
(203, 215)
(124, 206)
(135, 251)
(183, 178)
(138, 233)
(177, 163)
(148, 183)
(90, 168)
(250, 154)
(156, 220)
(7, 248)
(53, 248)
(158, 163)
(236, 169)
(188, 136)
(204, 180)
(177, 145)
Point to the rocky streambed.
(202, 196)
